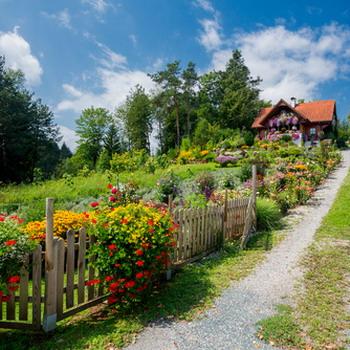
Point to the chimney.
(294, 102)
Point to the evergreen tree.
(27, 129)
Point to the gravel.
(231, 323)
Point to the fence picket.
(23, 292)
(70, 269)
(81, 265)
(60, 277)
(36, 287)
(91, 273)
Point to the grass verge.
(321, 315)
(186, 296)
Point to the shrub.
(64, 220)
(268, 214)
(14, 246)
(132, 248)
(196, 200)
(226, 160)
(206, 184)
(168, 186)
(245, 172)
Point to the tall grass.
(268, 214)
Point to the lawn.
(320, 317)
(68, 193)
(186, 296)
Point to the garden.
(132, 221)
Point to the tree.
(189, 96)
(92, 126)
(65, 152)
(240, 102)
(170, 83)
(27, 129)
(136, 114)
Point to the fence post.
(224, 220)
(169, 271)
(254, 188)
(50, 305)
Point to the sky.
(81, 53)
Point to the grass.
(320, 316)
(29, 198)
(186, 296)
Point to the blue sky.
(91, 52)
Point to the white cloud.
(210, 34)
(98, 5)
(205, 5)
(114, 85)
(63, 18)
(18, 55)
(69, 137)
(110, 58)
(133, 39)
(291, 63)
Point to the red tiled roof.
(316, 111)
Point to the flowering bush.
(132, 247)
(168, 186)
(225, 160)
(64, 220)
(14, 245)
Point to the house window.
(312, 131)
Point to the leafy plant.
(268, 214)
(132, 248)
(14, 247)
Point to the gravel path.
(230, 324)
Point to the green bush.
(245, 172)
(268, 214)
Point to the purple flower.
(222, 159)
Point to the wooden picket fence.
(55, 287)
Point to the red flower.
(146, 245)
(109, 186)
(1, 294)
(10, 242)
(140, 263)
(124, 221)
(94, 204)
(94, 221)
(109, 278)
(112, 299)
(150, 222)
(114, 190)
(158, 257)
(12, 288)
(112, 247)
(139, 275)
(5, 298)
(113, 286)
(13, 279)
(2, 218)
(174, 227)
(117, 265)
(139, 252)
(130, 284)
(92, 282)
(111, 198)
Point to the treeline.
(183, 105)
(28, 134)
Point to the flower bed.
(14, 247)
(132, 248)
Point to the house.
(307, 121)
